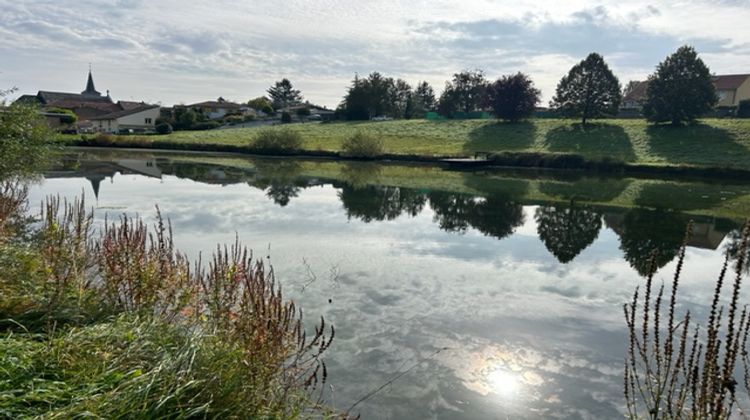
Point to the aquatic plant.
(674, 367)
(116, 322)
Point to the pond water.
(495, 295)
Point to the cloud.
(157, 51)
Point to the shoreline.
(502, 160)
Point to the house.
(139, 120)
(217, 109)
(316, 113)
(730, 89)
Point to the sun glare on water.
(504, 383)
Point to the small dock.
(479, 160)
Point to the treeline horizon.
(679, 91)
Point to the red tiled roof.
(125, 105)
(730, 81)
(76, 104)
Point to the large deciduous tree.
(466, 92)
(513, 97)
(589, 90)
(681, 90)
(283, 94)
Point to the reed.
(128, 326)
(674, 367)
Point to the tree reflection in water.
(645, 231)
(380, 202)
(567, 231)
(494, 215)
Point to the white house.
(140, 120)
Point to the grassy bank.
(118, 324)
(715, 143)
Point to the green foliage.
(25, 140)
(164, 128)
(589, 90)
(681, 90)
(205, 125)
(377, 96)
(362, 145)
(286, 117)
(277, 140)
(303, 112)
(118, 325)
(262, 104)
(69, 118)
(283, 94)
(743, 110)
(513, 97)
(423, 100)
(466, 92)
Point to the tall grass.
(677, 369)
(117, 323)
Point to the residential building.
(217, 109)
(137, 120)
(730, 89)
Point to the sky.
(186, 51)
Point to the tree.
(647, 231)
(374, 96)
(513, 97)
(589, 90)
(423, 100)
(400, 94)
(24, 139)
(681, 90)
(262, 104)
(283, 94)
(286, 117)
(465, 92)
(303, 112)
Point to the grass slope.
(712, 142)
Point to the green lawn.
(712, 142)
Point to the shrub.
(362, 145)
(206, 125)
(69, 118)
(164, 128)
(277, 140)
(286, 117)
(743, 110)
(104, 139)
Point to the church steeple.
(90, 89)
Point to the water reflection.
(522, 278)
(566, 229)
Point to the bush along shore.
(114, 322)
(709, 147)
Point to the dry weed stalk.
(675, 370)
(13, 199)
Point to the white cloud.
(186, 51)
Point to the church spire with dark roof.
(90, 89)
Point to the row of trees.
(680, 90)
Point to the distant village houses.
(95, 112)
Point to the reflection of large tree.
(733, 248)
(280, 180)
(493, 216)
(567, 231)
(644, 231)
(380, 202)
